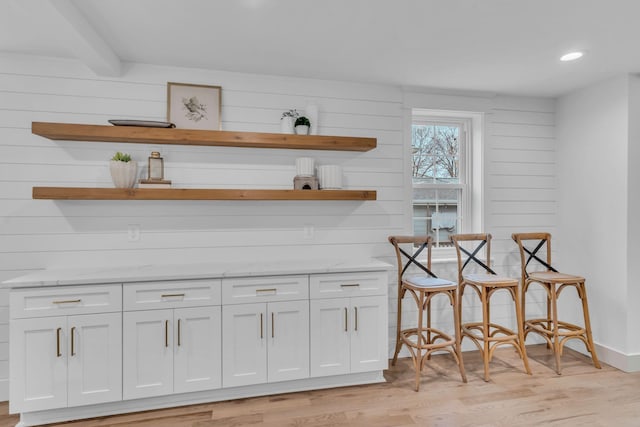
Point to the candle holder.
(155, 173)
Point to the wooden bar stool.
(487, 336)
(423, 288)
(555, 332)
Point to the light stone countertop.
(148, 273)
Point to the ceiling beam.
(89, 47)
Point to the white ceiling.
(502, 46)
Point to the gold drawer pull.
(274, 290)
(58, 354)
(171, 295)
(346, 314)
(350, 285)
(73, 341)
(69, 301)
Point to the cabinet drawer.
(336, 285)
(65, 300)
(171, 294)
(264, 289)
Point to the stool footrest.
(435, 334)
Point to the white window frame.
(470, 169)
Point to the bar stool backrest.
(529, 251)
(469, 254)
(407, 258)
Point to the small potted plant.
(123, 170)
(302, 125)
(287, 121)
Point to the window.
(441, 175)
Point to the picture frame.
(192, 106)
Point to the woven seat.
(487, 336)
(555, 332)
(422, 340)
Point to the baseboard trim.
(610, 356)
(173, 400)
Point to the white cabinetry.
(88, 350)
(69, 359)
(349, 323)
(266, 330)
(175, 349)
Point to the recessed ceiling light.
(571, 56)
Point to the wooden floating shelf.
(88, 193)
(149, 135)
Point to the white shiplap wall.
(34, 234)
(519, 192)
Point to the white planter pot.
(123, 174)
(302, 130)
(286, 124)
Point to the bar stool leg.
(554, 326)
(484, 300)
(549, 316)
(398, 328)
(587, 325)
(418, 359)
(521, 337)
(458, 333)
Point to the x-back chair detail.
(423, 288)
(487, 336)
(555, 332)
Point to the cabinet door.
(329, 334)
(369, 334)
(244, 344)
(95, 358)
(147, 361)
(197, 351)
(288, 338)
(38, 372)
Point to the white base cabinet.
(65, 361)
(175, 349)
(265, 342)
(349, 323)
(89, 350)
(350, 335)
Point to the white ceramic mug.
(330, 177)
(304, 166)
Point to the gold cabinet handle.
(261, 327)
(166, 333)
(274, 290)
(58, 353)
(171, 295)
(69, 301)
(349, 285)
(73, 341)
(346, 313)
(179, 332)
(273, 328)
(356, 322)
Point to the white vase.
(286, 124)
(302, 130)
(123, 174)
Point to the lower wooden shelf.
(88, 193)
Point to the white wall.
(633, 220)
(37, 234)
(519, 176)
(519, 190)
(592, 228)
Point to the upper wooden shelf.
(148, 135)
(89, 193)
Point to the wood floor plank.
(581, 396)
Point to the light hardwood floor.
(581, 396)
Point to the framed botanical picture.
(194, 106)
